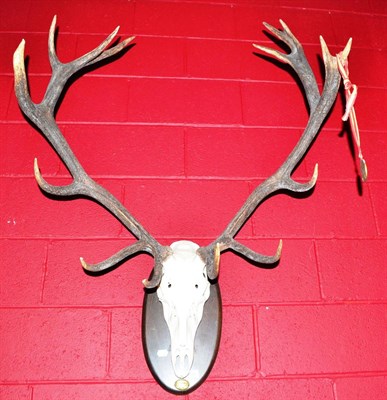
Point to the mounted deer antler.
(319, 108)
(181, 271)
(42, 115)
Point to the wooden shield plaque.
(157, 342)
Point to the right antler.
(282, 180)
(42, 115)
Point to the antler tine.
(282, 180)
(42, 115)
(296, 59)
(62, 72)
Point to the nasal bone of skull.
(182, 363)
(183, 349)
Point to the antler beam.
(320, 106)
(42, 115)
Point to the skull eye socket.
(169, 285)
(196, 286)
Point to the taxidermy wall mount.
(182, 305)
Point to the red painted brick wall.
(181, 129)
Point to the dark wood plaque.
(157, 343)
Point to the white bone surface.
(183, 291)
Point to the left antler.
(319, 106)
(42, 115)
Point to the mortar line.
(44, 273)
(109, 343)
(318, 270)
(257, 346)
(374, 214)
(334, 390)
(209, 125)
(325, 375)
(185, 153)
(129, 77)
(97, 306)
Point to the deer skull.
(183, 290)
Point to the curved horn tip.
(217, 258)
(114, 33)
(38, 175)
(149, 284)
(325, 50)
(53, 24)
(283, 24)
(279, 250)
(85, 265)
(315, 174)
(347, 48)
(129, 39)
(18, 55)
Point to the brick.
(112, 106)
(255, 152)
(184, 19)
(286, 389)
(184, 101)
(372, 99)
(48, 344)
(378, 193)
(321, 339)
(307, 25)
(127, 360)
(378, 6)
(15, 18)
(237, 339)
(6, 83)
(185, 208)
(331, 5)
(33, 214)
(362, 73)
(352, 269)
(70, 16)
(294, 279)
(149, 56)
(67, 283)
(333, 210)
(373, 145)
(15, 392)
(22, 274)
(214, 58)
(338, 160)
(20, 144)
(133, 150)
(110, 391)
(273, 105)
(361, 388)
(371, 34)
